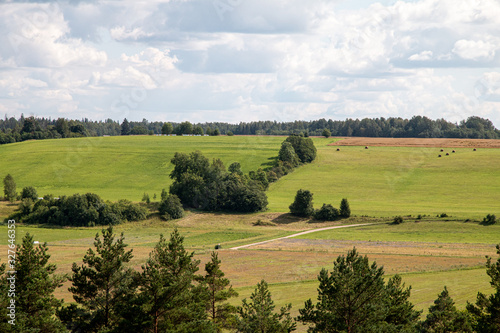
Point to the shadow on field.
(272, 162)
(288, 218)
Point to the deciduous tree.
(303, 204)
(9, 188)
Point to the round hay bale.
(338, 149)
(442, 150)
(447, 154)
(474, 149)
(439, 155)
(452, 151)
(366, 147)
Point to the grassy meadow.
(121, 167)
(380, 181)
(389, 181)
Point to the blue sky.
(242, 60)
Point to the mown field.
(388, 181)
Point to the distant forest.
(32, 128)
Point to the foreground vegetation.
(167, 294)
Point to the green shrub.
(397, 220)
(489, 220)
(29, 193)
(171, 208)
(326, 213)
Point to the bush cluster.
(77, 210)
(303, 206)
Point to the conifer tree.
(4, 301)
(218, 290)
(173, 301)
(345, 210)
(444, 317)
(35, 283)
(258, 315)
(101, 285)
(486, 311)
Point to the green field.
(121, 167)
(380, 181)
(417, 231)
(389, 181)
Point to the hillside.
(379, 181)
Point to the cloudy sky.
(245, 60)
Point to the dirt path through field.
(299, 234)
(418, 142)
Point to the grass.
(411, 231)
(380, 181)
(122, 167)
(388, 181)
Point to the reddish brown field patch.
(417, 142)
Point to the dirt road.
(300, 234)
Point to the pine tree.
(218, 290)
(350, 299)
(167, 282)
(258, 314)
(125, 127)
(4, 301)
(102, 284)
(486, 311)
(35, 283)
(401, 315)
(345, 210)
(9, 188)
(444, 317)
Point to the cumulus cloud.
(475, 50)
(248, 60)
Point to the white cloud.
(273, 59)
(475, 50)
(120, 33)
(422, 56)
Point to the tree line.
(169, 294)
(34, 128)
